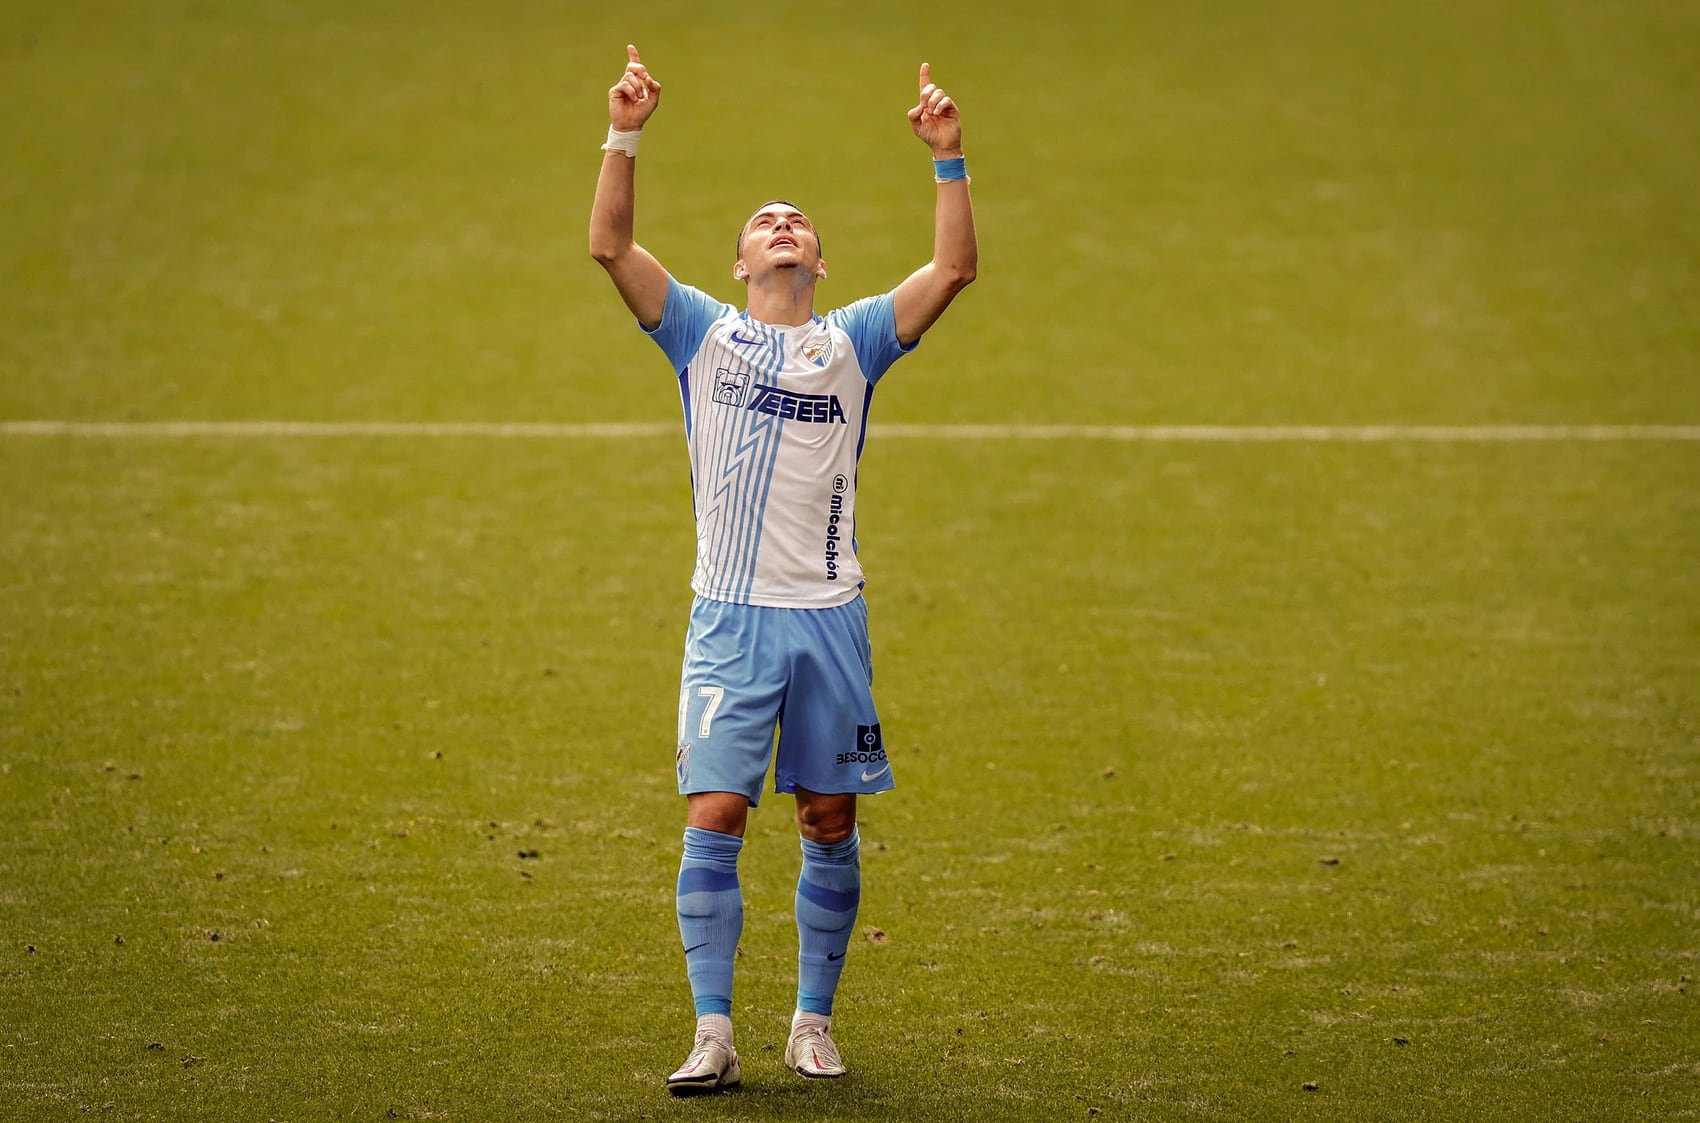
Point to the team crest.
(819, 353)
(682, 759)
(729, 386)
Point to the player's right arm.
(635, 272)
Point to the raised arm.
(924, 295)
(639, 277)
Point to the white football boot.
(810, 1051)
(712, 1065)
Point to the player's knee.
(826, 821)
(722, 812)
(827, 836)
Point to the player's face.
(779, 236)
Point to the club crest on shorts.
(870, 747)
(682, 759)
(729, 386)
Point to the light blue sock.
(711, 915)
(828, 891)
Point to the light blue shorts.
(807, 672)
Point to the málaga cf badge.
(819, 352)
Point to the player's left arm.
(923, 296)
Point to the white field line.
(170, 429)
(645, 429)
(1302, 433)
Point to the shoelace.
(700, 1048)
(814, 1038)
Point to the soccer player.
(776, 406)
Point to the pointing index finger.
(926, 74)
(632, 53)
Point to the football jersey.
(775, 418)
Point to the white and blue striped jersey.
(775, 418)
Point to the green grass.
(335, 773)
(1403, 742)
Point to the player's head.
(779, 236)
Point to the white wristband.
(624, 143)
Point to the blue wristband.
(948, 171)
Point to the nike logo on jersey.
(736, 338)
(869, 777)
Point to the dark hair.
(763, 207)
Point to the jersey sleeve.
(685, 320)
(872, 327)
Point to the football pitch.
(1284, 562)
